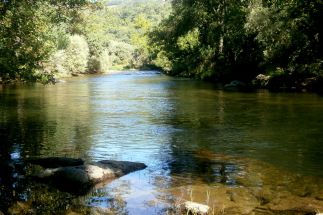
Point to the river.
(199, 143)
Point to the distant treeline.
(45, 40)
(225, 40)
(216, 40)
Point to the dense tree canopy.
(223, 40)
(290, 34)
(207, 39)
(28, 34)
(218, 40)
(43, 39)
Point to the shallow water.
(196, 140)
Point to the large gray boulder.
(80, 178)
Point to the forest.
(46, 40)
(264, 43)
(224, 40)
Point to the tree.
(27, 38)
(207, 39)
(291, 36)
(76, 55)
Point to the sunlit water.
(168, 124)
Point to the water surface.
(187, 132)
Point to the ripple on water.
(239, 153)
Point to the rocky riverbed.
(247, 186)
(260, 189)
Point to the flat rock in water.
(120, 168)
(80, 179)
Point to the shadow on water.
(31, 127)
(238, 153)
(270, 127)
(199, 168)
(283, 129)
(15, 130)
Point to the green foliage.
(28, 37)
(228, 40)
(216, 40)
(189, 41)
(129, 23)
(162, 61)
(72, 60)
(290, 34)
(207, 39)
(56, 63)
(25, 39)
(35, 40)
(119, 30)
(76, 55)
(105, 61)
(120, 52)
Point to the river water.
(199, 143)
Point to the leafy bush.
(105, 61)
(76, 55)
(100, 64)
(93, 64)
(71, 61)
(120, 53)
(56, 64)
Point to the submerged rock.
(101, 211)
(190, 207)
(235, 86)
(80, 178)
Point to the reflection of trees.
(17, 139)
(46, 200)
(68, 112)
(198, 119)
(194, 118)
(282, 129)
(290, 131)
(39, 121)
(194, 168)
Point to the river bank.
(272, 83)
(276, 84)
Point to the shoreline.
(261, 82)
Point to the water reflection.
(169, 124)
(38, 121)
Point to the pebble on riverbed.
(195, 208)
